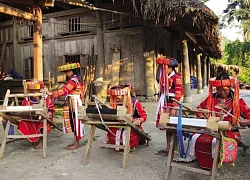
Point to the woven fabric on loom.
(34, 85)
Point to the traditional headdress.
(67, 67)
(162, 74)
(34, 85)
(168, 61)
(230, 82)
(121, 90)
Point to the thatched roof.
(171, 9)
(226, 67)
(197, 11)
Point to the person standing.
(74, 90)
(170, 86)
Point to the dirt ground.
(23, 163)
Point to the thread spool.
(224, 125)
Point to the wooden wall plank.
(138, 74)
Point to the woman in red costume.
(28, 127)
(170, 85)
(226, 101)
(117, 135)
(74, 90)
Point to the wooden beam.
(29, 2)
(67, 13)
(190, 36)
(16, 12)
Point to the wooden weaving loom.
(36, 112)
(212, 127)
(104, 117)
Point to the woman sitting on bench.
(29, 127)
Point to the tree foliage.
(239, 10)
(238, 53)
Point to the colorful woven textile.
(34, 85)
(228, 150)
(119, 90)
(67, 67)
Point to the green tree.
(238, 53)
(239, 10)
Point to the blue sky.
(231, 33)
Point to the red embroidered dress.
(28, 127)
(74, 86)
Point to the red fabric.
(244, 111)
(27, 127)
(139, 111)
(203, 151)
(176, 87)
(134, 138)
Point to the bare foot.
(70, 144)
(73, 146)
(39, 145)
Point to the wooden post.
(208, 69)
(170, 157)
(6, 131)
(216, 157)
(185, 64)
(205, 71)
(45, 138)
(89, 145)
(16, 49)
(38, 48)
(2, 67)
(116, 67)
(150, 77)
(199, 78)
(126, 148)
(100, 44)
